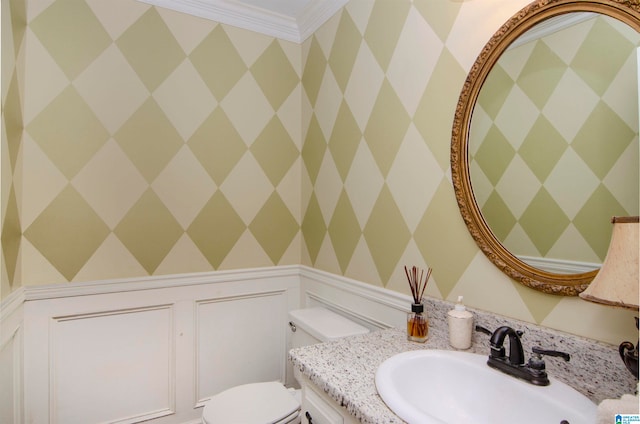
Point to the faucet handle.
(484, 330)
(539, 351)
(488, 332)
(536, 363)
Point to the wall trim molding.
(56, 291)
(380, 295)
(253, 18)
(355, 316)
(11, 303)
(375, 307)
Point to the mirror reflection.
(553, 141)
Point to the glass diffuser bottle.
(417, 319)
(417, 323)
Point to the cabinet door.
(315, 410)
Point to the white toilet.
(272, 402)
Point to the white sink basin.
(437, 386)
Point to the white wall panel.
(116, 366)
(10, 376)
(149, 349)
(11, 359)
(153, 349)
(371, 306)
(240, 339)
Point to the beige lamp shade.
(617, 281)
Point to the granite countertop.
(345, 369)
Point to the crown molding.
(258, 19)
(315, 14)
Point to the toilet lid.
(256, 403)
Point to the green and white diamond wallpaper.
(142, 141)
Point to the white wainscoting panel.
(115, 366)
(154, 349)
(127, 351)
(10, 377)
(7, 388)
(371, 306)
(241, 339)
(11, 360)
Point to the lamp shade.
(617, 282)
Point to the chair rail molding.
(54, 291)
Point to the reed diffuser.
(417, 320)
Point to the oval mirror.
(545, 140)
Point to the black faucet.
(533, 372)
(516, 354)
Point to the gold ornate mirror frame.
(627, 11)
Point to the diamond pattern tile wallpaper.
(141, 141)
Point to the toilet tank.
(318, 324)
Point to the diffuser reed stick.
(417, 282)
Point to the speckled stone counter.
(345, 369)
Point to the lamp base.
(629, 355)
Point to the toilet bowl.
(271, 402)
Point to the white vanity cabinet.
(318, 408)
